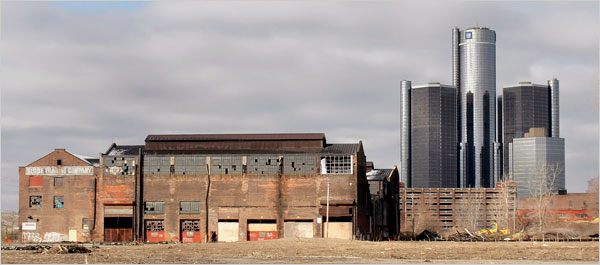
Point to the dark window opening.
(59, 162)
(118, 222)
(35, 201)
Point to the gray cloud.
(81, 79)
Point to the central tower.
(474, 74)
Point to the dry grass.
(327, 251)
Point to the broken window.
(155, 225)
(59, 202)
(336, 164)
(59, 181)
(190, 225)
(154, 208)
(189, 207)
(35, 201)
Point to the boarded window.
(59, 181)
(59, 202)
(189, 207)
(154, 208)
(85, 224)
(36, 181)
(35, 201)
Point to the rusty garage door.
(262, 230)
(155, 230)
(298, 228)
(228, 230)
(118, 229)
(190, 231)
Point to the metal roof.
(235, 137)
(379, 174)
(341, 148)
(115, 149)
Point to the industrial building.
(199, 188)
(384, 185)
(56, 197)
(429, 146)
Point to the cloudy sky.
(83, 75)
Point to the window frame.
(62, 200)
(31, 206)
(158, 207)
(62, 182)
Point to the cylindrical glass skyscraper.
(476, 63)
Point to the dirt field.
(325, 251)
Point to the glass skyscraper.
(474, 74)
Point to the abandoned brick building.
(56, 197)
(384, 185)
(196, 188)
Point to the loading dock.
(228, 230)
(298, 228)
(339, 227)
(118, 229)
(155, 230)
(262, 230)
(190, 231)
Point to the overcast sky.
(83, 75)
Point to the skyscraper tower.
(474, 74)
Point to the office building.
(536, 161)
(527, 106)
(429, 147)
(474, 74)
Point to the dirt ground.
(320, 250)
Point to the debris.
(60, 249)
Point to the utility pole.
(327, 214)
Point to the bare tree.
(469, 212)
(422, 218)
(503, 208)
(542, 189)
(592, 192)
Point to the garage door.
(190, 231)
(294, 229)
(228, 231)
(341, 230)
(258, 231)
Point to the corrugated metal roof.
(235, 137)
(124, 149)
(379, 174)
(341, 149)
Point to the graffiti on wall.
(31, 237)
(55, 237)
